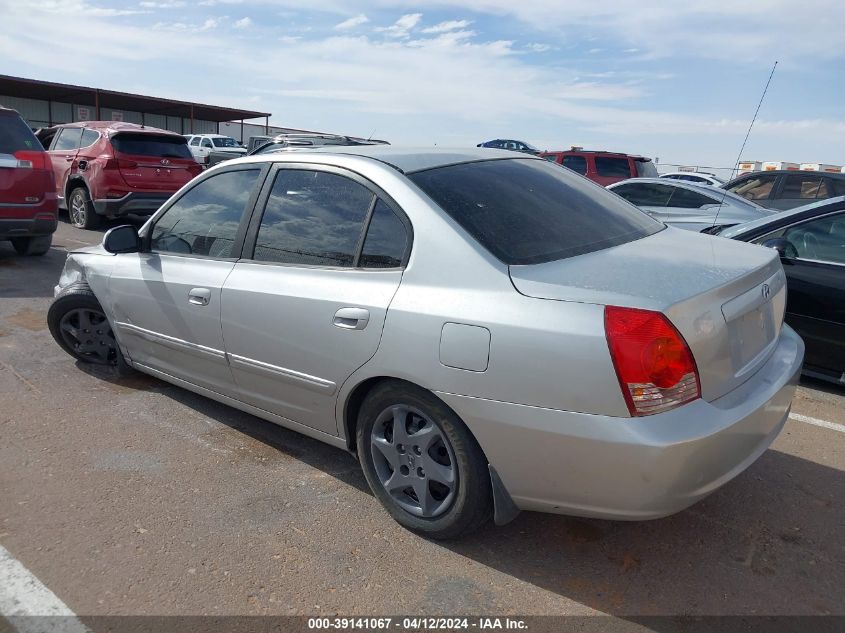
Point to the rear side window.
(646, 169)
(89, 137)
(645, 194)
(686, 199)
(837, 185)
(576, 163)
(15, 135)
(68, 139)
(206, 219)
(313, 218)
(386, 241)
(612, 167)
(804, 188)
(526, 211)
(160, 146)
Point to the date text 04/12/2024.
(416, 623)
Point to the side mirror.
(784, 247)
(122, 239)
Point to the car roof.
(596, 151)
(117, 126)
(810, 210)
(703, 174)
(777, 172)
(410, 159)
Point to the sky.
(677, 81)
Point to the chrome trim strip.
(274, 371)
(172, 342)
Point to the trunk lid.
(726, 298)
(153, 162)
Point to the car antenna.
(747, 134)
(370, 137)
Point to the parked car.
(687, 205)
(510, 144)
(284, 142)
(224, 147)
(605, 168)
(487, 331)
(111, 169)
(699, 177)
(787, 189)
(27, 189)
(257, 141)
(811, 243)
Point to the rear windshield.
(528, 211)
(16, 136)
(645, 168)
(152, 145)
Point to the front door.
(166, 300)
(306, 306)
(63, 155)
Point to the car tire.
(79, 325)
(434, 439)
(81, 211)
(35, 245)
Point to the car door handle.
(351, 318)
(69, 159)
(199, 296)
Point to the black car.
(516, 146)
(787, 189)
(811, 243)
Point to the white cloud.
(538, 48)
(449, 25)
(351, 23)
(243, 23)
(402, 27)
(172, 4)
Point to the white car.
(201, 145)
(698, 177)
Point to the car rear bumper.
(40, 224)
(634, 468)
(136, 202)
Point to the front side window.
(205, 220)
(526, 211)
(645, 194)
(386, 241)
(206, 143)
(68, 139)
(577, 164)
(195, 141)
(754, 187)
(312, 218)
(686, 199)
(612, 167)
(804, 187)
(820, 239)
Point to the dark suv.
(27, 188)
(787, 189)
(106, 168)
(605, 168)
(511, 144)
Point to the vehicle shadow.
(29, 277)
(769, 542)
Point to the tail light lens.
(33, 160)
(195, 169)
(119, 163)
(656, 369)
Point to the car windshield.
(224, 141)
(152, 145)
(528, 211)
(15, 135)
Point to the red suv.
(605, 168)
(27, 188)
(106, 168)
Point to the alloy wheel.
(78, 211)
(88, 333)
(414, 461)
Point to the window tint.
(576, 164)
(820, 239)
(527, 211)
(686, 199)
(206, 142)
(804, 187)
(386, 241)
(195, 141)
(89, 137)
(68, 139)
(16, 136)
(312, 217)
(646, 168)
(205, 220)
(838, 186)
(754, 187)
(224, 141)
(645, 194)
(160, 146)
(612, 167)
(551, 158)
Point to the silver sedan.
(487, 332)
(688, 205)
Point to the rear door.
(651, 197)
(63, 157)
(306, 305)
(796, 190)
(166, 300)
(687, 208)
(153, 162)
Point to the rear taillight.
(33, 160)
(195, 169)
(656, 369)
(119, 163)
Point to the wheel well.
(72, 183)
(353, 406)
